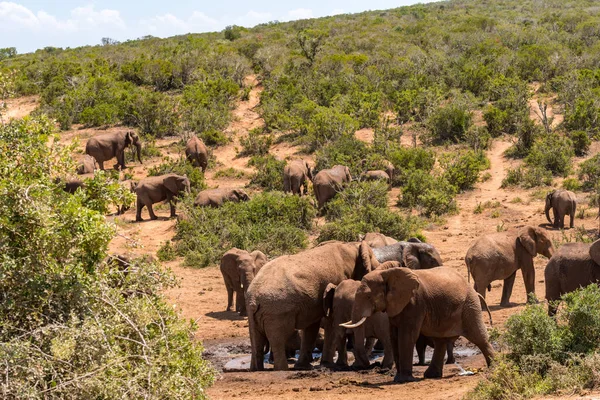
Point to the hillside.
(452, 93)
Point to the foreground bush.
(273, 223)
(269, 172)
(73, 326)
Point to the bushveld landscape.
(483, 108)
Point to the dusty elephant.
(160, 188)
(573, 266)
(436, 303)
(218, 197)
(86, 166)
(196, 153)
(330, 181)
(296, 175)
(337, 302)
(562, 203)
(104, 147)
(375, 239)
(499, 255)
(238, 268)
(376, 176)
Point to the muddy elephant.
(110, 145)
(196, 153)
(574, 265)
(218, 197)
(436, 303)
(86, 166)
(330, 181)
(296, 175)
(375, 239)
(160, 188)
(238, 268)
(498, 256)
(376, 175)
(562, 203)
(337, 302)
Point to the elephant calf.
(376, 176)
(218, 197)
(70, 185)
(562, 203)
(573, 266)
(337, 303)
(238, 268)
(330, 181)
(436, 303)
(160, 188)
(196, 153)
(86, 166)
(499, 255)
(296, 175)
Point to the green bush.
(527, 133)
(406, 160)
(326, 125)
(478, 138)
(269, 172)
(213, 137)
(166, 252)
(589, 172)
(527, 177)
(553, 153)
(271, 222)
(255, 143)
(181, 167)
(450, 123)
(461, 169)
(434, 195)
(581, 142)
(357, 195)
(102, 192)
(205, 106)
(154, 113)
(346, 150)
(498, 121)
(572, 184)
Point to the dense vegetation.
(73, 324)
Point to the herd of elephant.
(396, 292)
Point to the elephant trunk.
(246, 278)
(548, 205)
(138, 147)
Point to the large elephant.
(218, 197)
(436, 303)
(296, 175)
(196, 153)
(573, 266)
(160, 188)
(337, 302)
(238, 268)
(110, 145)
(87, 165)
(562, 203)
(498, 256)
(330, 181)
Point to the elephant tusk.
(350, 325)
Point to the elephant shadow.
(225, 315)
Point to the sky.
(33, 24)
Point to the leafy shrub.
(149, 150)
(478, 138)
(101, 192)
(271, 222)
(581, 142)
(461, 169)
(553, 153)
(406, 160)
(269, 172)
(357, 195)
(450, 123)
(347, 150)
(527, 177)
(572, 184)
(154, 113)
(255, 143)
(434, 195)
(527, 134)
(589, 172)
(206, 105)
(498, 121)
(166, 252)
(327, 125)
(213, 137)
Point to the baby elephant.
(562, 203)
(87, 165)
(376, 176)
(499, 255)
(160, 188)
(337, 303)
(218, 197)
(296, 175)
(70, 185)
(196, 153)
(239, 268)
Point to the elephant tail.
(483, 302)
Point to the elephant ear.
(595, 252)
(367, 257)
(328, 298)
(527, 237)
(410, 257)
(401, 285)
(259, 259)
(170, 183)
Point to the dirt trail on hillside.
(20, 107)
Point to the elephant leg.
(528, 271)
(421, 345)
(476, 332)
(572, 215)
(507, 289)
(342, 358)
(278, 333)
(361, 360)
(330, 342)
(240, 302)
(229, 298)
(450, 351)
(407, 338)
(138, 214)
(259, 342)
(121, 159)
(388, 354)
(436, 366)
(394, 345)
(309, 339)
(151, 212)
(101, 165)
(172, 206)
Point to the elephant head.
(177, 184)
(595, 252)
(419, 255)
(536, 241)
(388, 289)
(249, 265)
(131, 138)
(241, 195)
(309, 172)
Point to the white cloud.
(300, 13)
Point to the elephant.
(159, 188)
(328, 182)
(385, 165)
(87, 165)
(196, 153)
(337, 302)
(376, 176)
(104, 147)
(573, 266)
(499, 255)
(70, 185)
(562, 203)
(217, 197)
(296, 175)
(437, 303)
(411, 254)
(375, 239)
(238, 268)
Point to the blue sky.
(32, 24)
